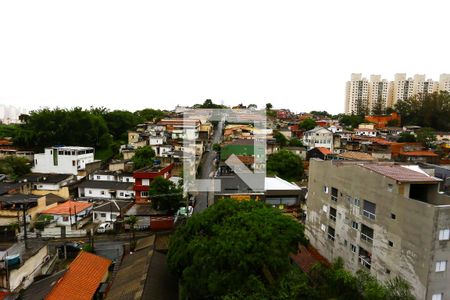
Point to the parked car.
(104, 227)
(2, 177)
(72, 249)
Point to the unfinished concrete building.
(386, 218)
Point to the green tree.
(323, 113)
(269, 106)
(426, 110)
(234, 250)
(143, 157)
(208, 104)
(379, 107)
(150, 114)
(426, 136)
(14, 166)
(252, 106)
(406, 137)
(46, 127)
(351, 120)
(295, 142)
(8, 130)
(119, 122)
(164, 194)
(280, 138)
(307, 124)
(286, 165)
(393, 123)
(216, 147)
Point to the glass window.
(441, 266)
(437, 296)
(444, 234)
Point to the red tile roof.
(307, 257)
(82, 278)
(400, 173)
(418, 153)
(68, 207)
(325, 151)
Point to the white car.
(104, 227)
(183, 212)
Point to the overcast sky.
(137, 54)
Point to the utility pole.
(24, 216)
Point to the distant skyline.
(134, 55)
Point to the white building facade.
(63, 160)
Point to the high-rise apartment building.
(357, 94)
(444, 82)
(378, 94)
(385, 218)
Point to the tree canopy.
(76, 126)
(164, 194)
(351, 120)
(143, 157)
(234, 250)
(406, 137)
(426, 136)
(269, 106)
(14, 166)
(295, 142)
(280, 138)
(307, 124)
(426, 110)
(286, 165)
(209, 104)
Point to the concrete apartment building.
(356, 94)
(364, 95)
(385, 218)
(63, 160)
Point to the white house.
(366, 132)
(63, 160)
(103, 189)
(107, 175)
(69, 212)
(318, 137)
(108, 212)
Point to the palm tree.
(131, 221)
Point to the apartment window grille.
(441, 266)
(364, 258)
(353, 248)
(444, 234)
(355, 225)
(369, 209)
(391, 244)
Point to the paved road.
(207, 170)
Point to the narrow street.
(207, 170)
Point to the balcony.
(365, 261)
(366, 238)
(369, 214)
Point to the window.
(325, 189)
(388, 271)
(334, 194)
(444, 234)
(90, 191)
(331, 233)
(73, 163)
(390, 187)
(393, 216)
(121, 193)
(441, 266)
(98, 177)
(437, 296)
(366, 233)
(103, 215)
(102, 192)
(144, 194)
(355, 225)
(369, 209)
(325, 208)
(65, 219)
(333, 214)
(391, 244)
